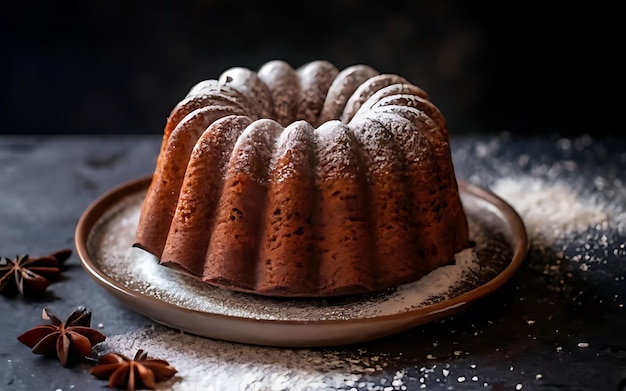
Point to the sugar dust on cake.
(304, 182)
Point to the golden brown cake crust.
(308, 182)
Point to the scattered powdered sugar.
(292, 152)
(141, 273)
(210, 365)
(549, 209)
(558, 216)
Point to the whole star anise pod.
(142, 372)
(30, 275)
(72, 338)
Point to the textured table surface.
(557, 325)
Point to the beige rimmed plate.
(105, 234)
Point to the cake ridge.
(316, 78)
(252, 87)
(240, 213)
(284, 86)
(288, 226)
(340, 90)
(366, 90)
(188, 231)
(169, 174)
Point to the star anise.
(30, 275)
(61, 256)
(69, 339)
(142, 372)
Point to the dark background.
(120, 66)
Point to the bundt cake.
(307, 182)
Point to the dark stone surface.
(47, 182)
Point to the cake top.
(317, 94)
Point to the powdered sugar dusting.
(404, 133)
(559, 218)
(253, 150)
(378, 145)
(336, 152)
(293, 151)
(205, 364)
(572, 206)
(549, 209)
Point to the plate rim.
(411, 318)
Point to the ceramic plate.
(105, 234)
